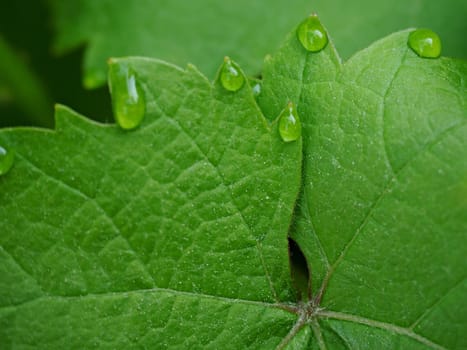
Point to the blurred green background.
(32, 78)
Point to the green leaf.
(356, 24)
(381, 217)
(201, 32)
(178, 228)
(175, 235)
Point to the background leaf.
(203, 31)
(356, 24)
(200, 32)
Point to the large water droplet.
(290, 127)
(6, 160)
(425, 43)
(231, 77)
(312, 35)
(127, 96)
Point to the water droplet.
(6, 160)
(127, 96)
(312, 34)
(256, 89)
(231, 77)
(425, 43)
(290, 127)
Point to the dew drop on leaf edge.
(425, 43)
(6, 160)
(128, 100)
(312, 34)
(231, 77)
(290, 127)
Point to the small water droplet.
(290, 127)
(6, 160)
(231, 77)
(256, 89)
(312, 34)
(425, 43)
(127, 96)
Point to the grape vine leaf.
(201, 32)
(382, 213)
(175, 235)
(181, 225)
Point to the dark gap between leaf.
(299, 271)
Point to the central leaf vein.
(381, 196)
(222, 179)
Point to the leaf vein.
(435, 303)
(380, 197)
(185, 132)
(281, 306)
(383, 107)
(382, 325)
(86, 197)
